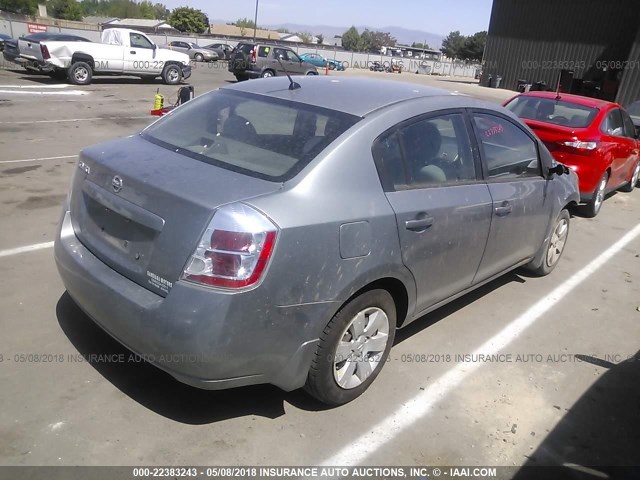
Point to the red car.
(595, 138)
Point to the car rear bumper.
(202, 337)
(588, 168)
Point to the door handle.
(503, 210)
(419, 224)
(132, 52)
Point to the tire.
(312, 73)
(80, 73)
(336, 381)
(268, 74)
(554, 245)
(241, 78)
(198, 57)
(633, 181)
(592, 208)
(172, 75)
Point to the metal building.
(590, 47)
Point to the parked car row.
(263, 60)
(595, 138)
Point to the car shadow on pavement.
(599, 436)
(434, 317)
(157, 390)
(161, 393)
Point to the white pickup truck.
(121, 52)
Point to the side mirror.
(559, 169)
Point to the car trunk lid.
(30, 49)
(142, 209)
(551, 134)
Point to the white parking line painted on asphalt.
(66, 92)
(148, 117)
(38, 159)
(420, 405)
(29, 248)
(61, 85)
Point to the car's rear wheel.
(267, 74)
(592, 208)
(312, 73)
(172, 75)
(80, 73)
(198, 57)
(353, 348)
(553, 246)
(241, 78)
(633, 181)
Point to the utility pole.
(255, 22)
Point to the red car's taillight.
(580, 145)
(253, 56)
(45, 52)
(234, 249)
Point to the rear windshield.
(551, 111)
(260, 136)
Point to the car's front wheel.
(553, 246)
(633, 181)
(172, 75)
(198, 57)
(353, 348)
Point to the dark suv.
(253, 60)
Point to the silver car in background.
(195, 51)
(264, 233)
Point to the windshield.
(551, 111)
(253, 134)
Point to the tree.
(146, 10)
(306, 37)
(160, 11)
(64, 9)
(473, 47)
(244, 23)
(187, 19)
(452, 45)
(283, 30)
(320, 38)
(424, 46)
(351, 39)
(371, 41)
(25, 7)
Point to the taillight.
(253, 56)
(45, 52)
(234, 250)
(579, 145)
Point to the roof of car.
(356, 96)
(567, 97)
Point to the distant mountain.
(404, 36)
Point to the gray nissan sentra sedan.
(264, 234)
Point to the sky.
(436, 16)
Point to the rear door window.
(613, 124)
(629, 128)
(260, 136)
